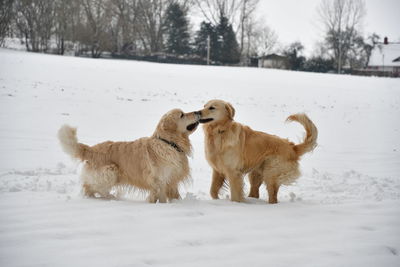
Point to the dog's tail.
(310, 139)
(70, 145)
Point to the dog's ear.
(168, 124)
(230, 109)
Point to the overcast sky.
(297, 20)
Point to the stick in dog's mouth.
(206, 120)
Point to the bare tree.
(357, 55)
(35, 22)
(67, 17)
(95, 30)
(264, 40)
(320, 50)
(151, 20)
(240, 13)
(6, 15)
(370, 45)
(245, 26)
(343, 20)
(212, 9)
(61, 25)
(124, 27)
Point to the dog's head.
(216, 111)
(177, 121)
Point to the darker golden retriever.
(233, 150)
(157, 164)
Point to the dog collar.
(171, 144)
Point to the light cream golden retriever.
(157, 164)
(233, 150)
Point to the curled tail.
(310, 140)
(70, 145)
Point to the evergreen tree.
(200, 43)
(223, 45)
(177, 30)
(228, 46)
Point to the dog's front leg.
(158, 194)
(162, 195)
(236, 185)
(152, 198)
(255, 180)
(216, 184)
(173, 192)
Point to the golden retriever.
(233, 150)
(156, 164)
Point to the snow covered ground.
(343, 211)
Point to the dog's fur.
(157, 164)
(233, 150)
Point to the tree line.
(131, 27)
(229, 32)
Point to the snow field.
(343, 211)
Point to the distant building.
(385, 58)
(273, 61)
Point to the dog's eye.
(211, 108)
(182, 115)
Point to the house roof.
(385, 55)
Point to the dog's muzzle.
(198, 115)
